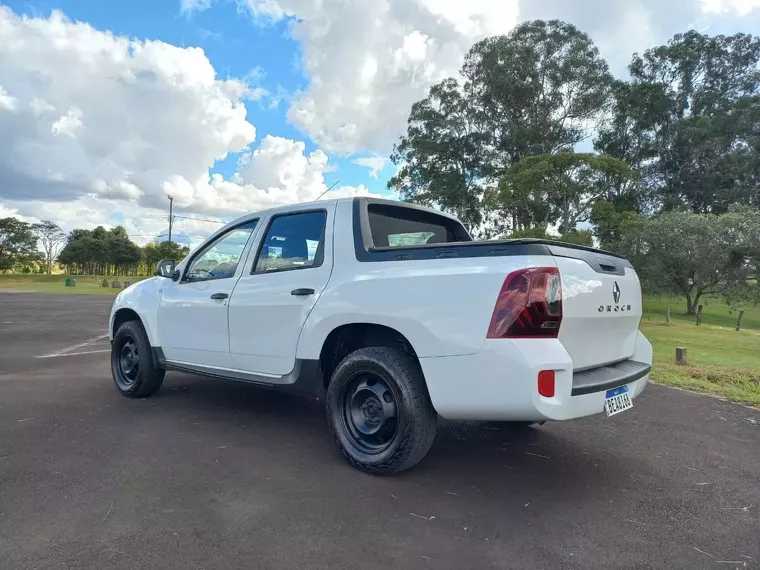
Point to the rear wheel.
(132, 366)
(379, 410)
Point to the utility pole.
(171, 217)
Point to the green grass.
(714, 312)
(722, 360)
(86, 284)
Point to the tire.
(380, 390)
(132, 367)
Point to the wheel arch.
(347, 338)
(122, 316)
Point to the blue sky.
(236, 46)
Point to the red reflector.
(546, 383)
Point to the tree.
(52, 239)
(121, 252)
(537, 90)
(698, 255)
(560, 187)
(579, 237)
(440, 157)
(699, 124)
(18, 244)
(610, 224)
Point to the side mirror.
(165, 268)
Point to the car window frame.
(319, 256)
(211, 243)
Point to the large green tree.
(440, 159)
(561, 187)
(101, 252)
(688, 122)
(18, 244)
(698, 255)
(536, 90)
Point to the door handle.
(219, 296)
(302, 292)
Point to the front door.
(272, 300)
(192, 314)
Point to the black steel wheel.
(129, 363)
(134, 372)
(379, 410)
(370, 412)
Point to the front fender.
(142, 298)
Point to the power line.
(200, 219)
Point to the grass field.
(721, 360)
(86, 284)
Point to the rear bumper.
(500, 381)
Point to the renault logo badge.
(616, 291)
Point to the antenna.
(326, 191)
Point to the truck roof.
(368, 199)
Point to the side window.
(220, 258)
(400, 226)
(293, 241)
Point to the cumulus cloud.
(368, 65)
(95, 124)
(737, 7)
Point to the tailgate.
(601, 307)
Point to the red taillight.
(546, 383)
(529, 305)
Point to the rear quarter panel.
(442, 306)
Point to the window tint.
(219, 260)
(293, 241)
(399, 226)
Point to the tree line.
(34, 248)
(536, 138)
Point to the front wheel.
(132, 366)
(379, 410)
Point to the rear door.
(601, 306)
(272, 299)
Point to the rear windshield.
(399, 226)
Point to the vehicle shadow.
(556, 460)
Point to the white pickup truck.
(392, 315)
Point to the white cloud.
(738, 7)
(374, 163)
(68, 124)
(6, 101)
(190, 6)
(368, 63)
(101, 124)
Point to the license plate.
(617, 400)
